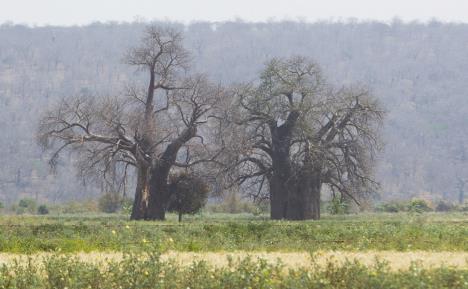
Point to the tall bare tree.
(151, 130)
(299, 134)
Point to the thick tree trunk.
(304, 193)
(141, 195)
(315, 209)
(278, 198)
(304, 203)
(296, 204)
(282, 175)
(295, 201)
(281, 181)
(159, 194)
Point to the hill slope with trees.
(419, 72)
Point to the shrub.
(146, 271)
(110, 203)
(26, 206)
(443, 206)
(392, 207)
(413, 206)
(43, 210)
(1, 205)
(188, 194)
(127, 205)
(337, 206)
(418, 206)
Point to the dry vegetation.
(395, 260)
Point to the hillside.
(418, 71)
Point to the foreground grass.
(150, 271)
(400, 232)
(290, 260)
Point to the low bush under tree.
(189, 194)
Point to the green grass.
(150, 272)
(73, 233)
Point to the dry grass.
(396, 260)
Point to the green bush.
(43, 210)
(391, 207)
(337, 206)
(413, 206)
(127, 205)
(26, 206)
(188, 194)
(419, 206)
(110, 203)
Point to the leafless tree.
(299, 134)
(151, 130)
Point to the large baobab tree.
(299, 134)
(151, 130)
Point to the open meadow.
(377, 250)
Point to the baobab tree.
(151, 130)
(296, 134)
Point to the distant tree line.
(418, 71)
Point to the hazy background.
(71, 12)
(418, 69)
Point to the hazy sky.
(70, 12)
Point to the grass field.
(235, 251)
(398, 232)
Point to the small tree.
(189, 194)
(110, 202)
(43, 210)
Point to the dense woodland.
(417, 71)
